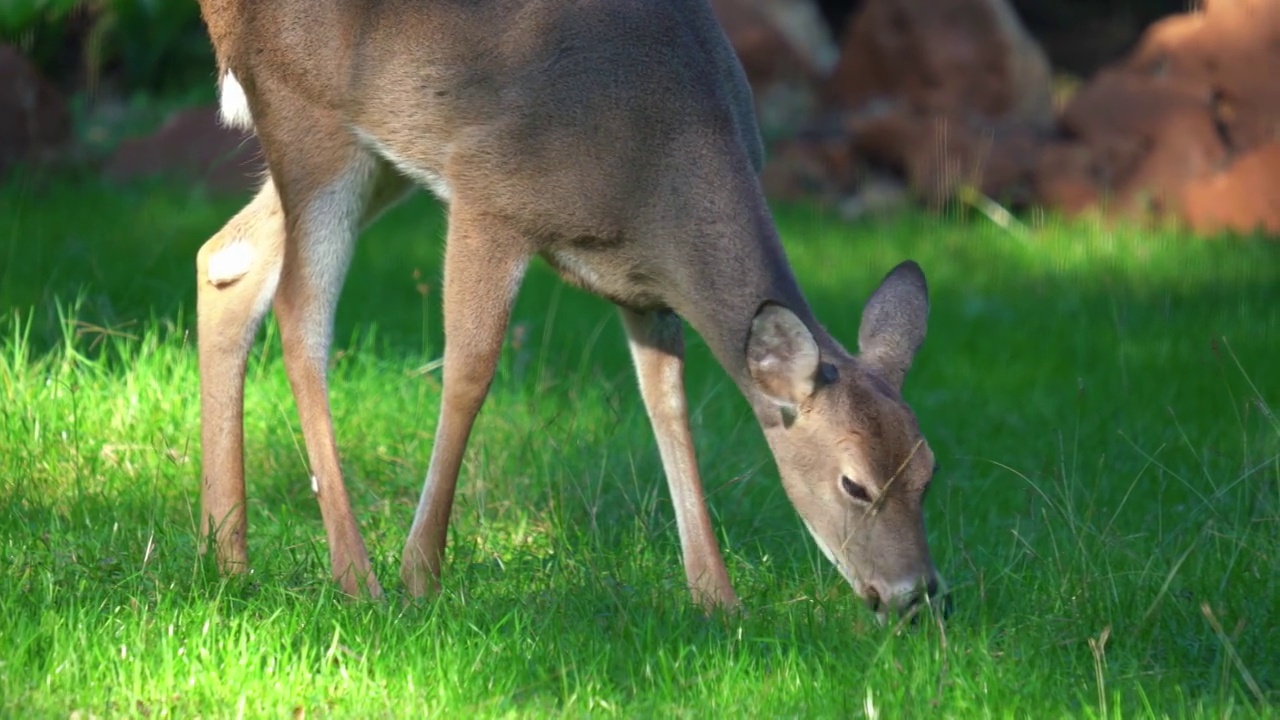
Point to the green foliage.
(1101, 401)
(37, 27)
(16, 16)
(152, 45)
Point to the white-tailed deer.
(617, 141)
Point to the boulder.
(939, 93)
(1144, 136)
(938, 153)
(1184, 127)
(1229, 52)
(34, 119)
(1066, 178)
(1245, 197)
(194, 145)
(945, 94)
(943, 58)
(786, 50)
(817, 165)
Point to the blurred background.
(1150, 109)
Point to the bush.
(144, 45)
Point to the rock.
(194, 145)
(1146, 136)
(947, 95)
(1230, 53)
(1184, 148)
(881, 131)
(943, 57)
(802, 22)
(941, 93)
(1241, 198)
(1007, 163)
(1066, 177)
(786, 50)
(1125, 103)
(34, 120)
(1184, 127)
(876, 195)
(818, 165)
(937, 154)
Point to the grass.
(1100, 400)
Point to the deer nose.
(905, 597)
(929, 592)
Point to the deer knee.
(237, 271)
(250, 245)
(230, 256)
(224, 264)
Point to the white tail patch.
(233, 104)
(230, 263)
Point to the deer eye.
(855, 491)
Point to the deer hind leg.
(292, 242)
(237, 271)
(657, 348)
(330, 205)
(485, 263)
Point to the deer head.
(849, 450)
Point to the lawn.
(1100, 399)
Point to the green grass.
(1100, 400)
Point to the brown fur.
(617, 141)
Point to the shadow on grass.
(1071, 341)
(1101, 403)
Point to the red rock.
(1183, 149)
(192, 144)
(929, 88)
(1120, 102)
(882, 131)
(34, 120)
(1066, 177)
(943, 57)
(764, 50)
(1178, 128)
(938, 154)
(1007, 163)
(1145, 136)
(946, 93)
(817, 166)
(1230, 52)
(1243, 198)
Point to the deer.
(616, 141)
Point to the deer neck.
(728, 287)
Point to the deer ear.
(893, 322)
(782, 356)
